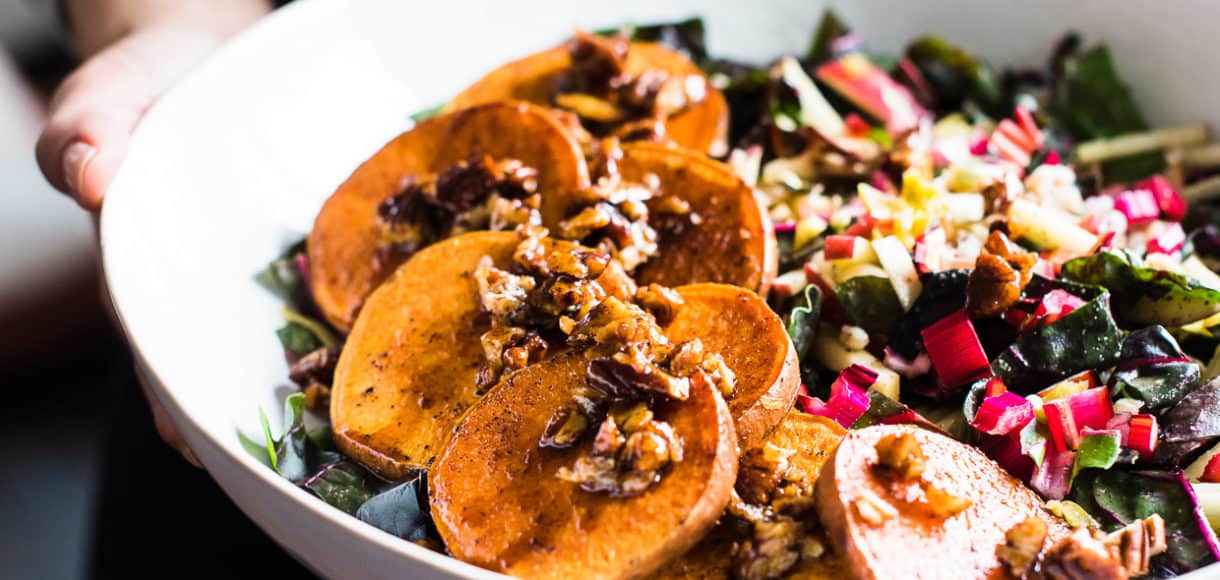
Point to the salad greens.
(1143, 295)
(1153, 369)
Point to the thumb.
(96, 108)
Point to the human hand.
(134, 51)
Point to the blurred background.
(58, 356)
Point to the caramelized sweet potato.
(887, 526)
(344, 245)
(812, 439)
(498, 503)
(703, 127)
(732, 242)
(407, 372)
(739, 325)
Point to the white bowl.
(232, 165)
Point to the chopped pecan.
(501, 293)
(1023, 544)
(565, 428)
(1134, 545)
(901, 455)
(1077, 557)
(318, 366)
(1000, 274)
(660, 301)
(597, 63)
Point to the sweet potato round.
(498, 504)
(813, 439)
(900, 546)
(732, 243)
(703, 127)
(407, 372)
(739, 325)
(345, 236)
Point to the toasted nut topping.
(901, 454)
(1023, 545)
(872, 509)
(1134, 545)
(565, 428)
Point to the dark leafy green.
(283, 277)
(954, 76)
(943, 293)
(345, 485)
(1088, 338)
(802, 319)
(871, 304)
(830, 29)
(1143, 295)
(1197, 417)
(685, 36)
(298, 339)
(401, 510)
(744, 87)
(1116, 498)
(1153, 369)
(1092, 102)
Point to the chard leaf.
(401, 510)
(269, 441)
(283, 277)
(1196, 418)
(344, 485)
(1153, 369)
(955, 76)
(943, 293)
(1088, 338)
(1092, 101)
(1142, 295)
(685, 36)
(871, 304)
(745, 89)
(1116, 498)
(427, 113)
(298, 339)
(830, 29)
(291, 450)
(883, 410)
(802, 320)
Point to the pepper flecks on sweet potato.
(498, 503)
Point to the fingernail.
(76, 160)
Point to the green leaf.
(880, 408)
(685, 36)
(1142, 295)
(268, 440)
(427, 113)
(282, 277)
(344, 485)
(1088, 338)
(1196, 417)
(802, 320)
(291, 452)
(943, 293)
(255, 449)
(1097, 450)
(298, 339)
(401, 510)
(1153, 369)
(829, 29)
(871, 304)
(1116, 498)
(1092, 101)
(955, 76)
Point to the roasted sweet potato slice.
(741, 327)
(407, 372)
(344, 263)
(731, 242)
(703, 127)
(498, 503)
(811, 440)
(885, 526)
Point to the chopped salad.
(1015, 259)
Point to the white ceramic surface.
(232, 165)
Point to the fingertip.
(97, 173)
